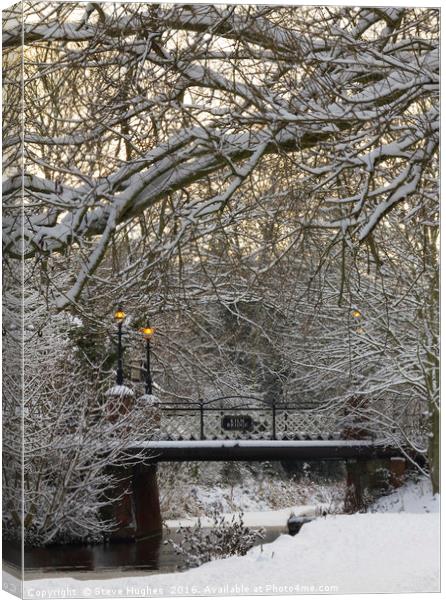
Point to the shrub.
(224, 538)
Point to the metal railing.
(252, 418)
(245, 417)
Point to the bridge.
(245, 428)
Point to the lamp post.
(147, 333)
(119, 318)
(357, 319)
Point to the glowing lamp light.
(356, 313)
(119, 315)
(147, 332)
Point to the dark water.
(150, 554)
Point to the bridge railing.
(251, 418)
(245, 417)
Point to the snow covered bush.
(225, 538)
(74, 434)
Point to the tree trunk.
(434, 447)
(433, 367)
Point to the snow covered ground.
(394, 551)
(414, 497)
(340, 554)
(202, 489)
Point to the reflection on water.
(149, 554)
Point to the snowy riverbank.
(414, 497)
(374, 552)
(255, 518)
(340, 554)
(198, 489)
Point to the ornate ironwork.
(209, 420)
(270, 420)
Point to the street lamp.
(119, 318)
(147, 332)
(358, 317)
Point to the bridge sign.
(237, 423)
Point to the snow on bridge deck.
(229, 450)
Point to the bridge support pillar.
(136, 508)
(146, 500)
(397, 471)
(368, 479)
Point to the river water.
(150, 554)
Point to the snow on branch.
(142, 112)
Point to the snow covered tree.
(150, 118)
(74, 433)
(198, 160)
